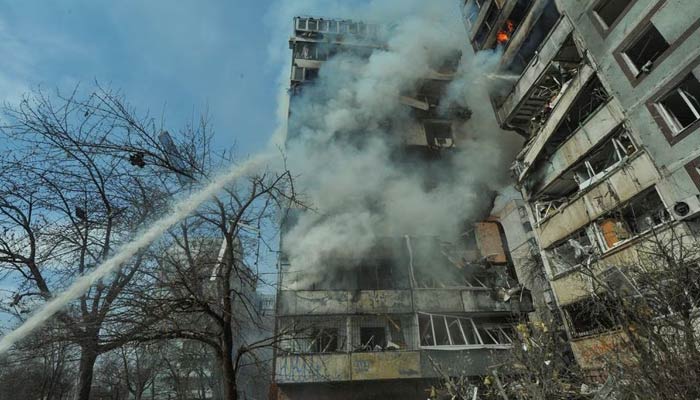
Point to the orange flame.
(504, 34)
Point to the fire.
(504, 34)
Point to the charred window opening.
(642, 53)
(372, 338)
(591, 316)
(644, 212)
(459, 332)
(608, 11)
(588, 101)
(379, 275)
(680, 108)
(571, 252)
(439, 133)
(441, 265)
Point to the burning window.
(608, 11)
(453, 331)
(644, 212)
(514, 19)
(680, 108)
(571, 252)
(640, 56)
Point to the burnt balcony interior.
(591, 316)
(511, 23)
(537, 105)
(592, 168)
(643, 212)
(532, 42)
(425, 262)
(589, 99)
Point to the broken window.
(681, 106)
(607, 11)
(439, 133)
(591, 316)
(644, 212)
(571, 252)
(373, 338)
(608, 156)
(313, 335)
(589, 99)
(642, 53)
(446, 330)
(604, 160)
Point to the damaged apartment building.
(607, 95)
(379, 329)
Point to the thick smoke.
(344, 132)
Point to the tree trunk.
(228, 371)
(88, 356)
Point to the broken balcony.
(552, 188)
(525, 100)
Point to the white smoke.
(345, 129)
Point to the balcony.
(621, 185)
(340, 302)
(318, 368)
(518, 106)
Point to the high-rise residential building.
(607, 95)
(380, 328)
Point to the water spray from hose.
(180, 210)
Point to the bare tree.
(208, 275)
(79, 176)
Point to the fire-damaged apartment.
(606, 96)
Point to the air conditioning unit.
(686, 208)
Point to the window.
(313, 24)
(298, 74)
(608, 11)
(438, 133)
(640, 56)
(372, 338)
(591, 316)
(643, 212)
(487, 25)
(472, 10)
(314, 340)
(681, 106)
(301, 24)
(310, 74)
(446, 330)
(571, 252)
(333, 26)
(604, 160)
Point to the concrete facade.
(608, 98)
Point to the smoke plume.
(346, 130)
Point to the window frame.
(474, 329)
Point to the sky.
(177, 59)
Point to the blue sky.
(173, 57)
(177, 58)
